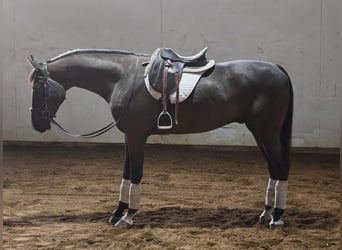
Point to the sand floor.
(60, 197)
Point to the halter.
(46, 114)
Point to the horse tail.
(286, 131)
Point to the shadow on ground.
(177, 217)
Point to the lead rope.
(106, 128)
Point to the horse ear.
(35, 64)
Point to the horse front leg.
(135, 145)
(124, 190)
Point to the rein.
(46, 112)
(89, 135)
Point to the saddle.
(164, 72)
(198, 59)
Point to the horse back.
(244, 80)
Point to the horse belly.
(203, 118)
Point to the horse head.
(47, 95)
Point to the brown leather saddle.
(164, 73)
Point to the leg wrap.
(280, 194)
(124, 191)
(269, 201)
(135, 196)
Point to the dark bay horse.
(256, 93)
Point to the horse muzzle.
(40, 121)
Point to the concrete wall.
(303, 36)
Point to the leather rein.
(46, 114)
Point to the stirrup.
(164, 120)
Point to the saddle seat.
(198, 59)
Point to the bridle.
(45, 81)
(39, 82)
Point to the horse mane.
(99, 51)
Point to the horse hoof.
(127, 219)
(265, 216)
(113, 219)
(262, 219)
(275, 224)
(123, 223)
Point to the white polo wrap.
(124, 191)
(269, 201)
(135, 196)
(280, 194)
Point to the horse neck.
(95, 73)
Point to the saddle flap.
(155, 72)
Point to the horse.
(256, 93)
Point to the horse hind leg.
(275, 203)
(276, 192)
(270, 144)
(266, 215)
